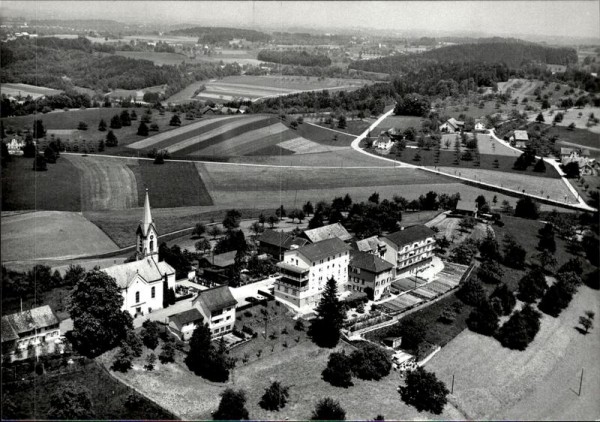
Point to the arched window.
(151, 245)
(153, 292)
(137, 297)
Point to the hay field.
(106, 183)
(51, 234)
(158, 59)
(24, 90)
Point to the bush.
(483, 319)
(532, 286)
(149, 334)
(328, 409)
(275, 396)
(123, 359)
(527, 208)
(520, 329)
(370, 363)
(503, 300)
(471, 292)
(339, 370)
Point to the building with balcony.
(410, 250)
(305, 271)
(31, 328)
(217, 307)
(369, 274)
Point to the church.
(143, 281)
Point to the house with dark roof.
(214, 268)
(275, 243)
(29, 328)
(217, 307)
(372, 245)
(466, 208)
(581, 156)
(142, 281)
(184, 323)
(369, 274)
(306, 270)
(327, 232)
(520, 138)
(410, 249)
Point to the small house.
(29, 328)
(217, 306)
(327, 232)
(403, 361)
(479, 126)
(452, 126)
(466, 208)
(184, 323)
(520, 138)
(383, 142)
(275, 243)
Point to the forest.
(506, 52)
(210, 35)
(301, 58)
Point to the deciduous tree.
(424, 391)
(232, 406)
(328, 409)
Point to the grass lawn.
(581, 137)
(399, 122)
(158, 59)
(299, 367)
(593, 183)
(25, 189)
(108, 396)
(322, 135)
(172, 184)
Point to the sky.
(554, 18)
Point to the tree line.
(301, 58)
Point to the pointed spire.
(147, 222)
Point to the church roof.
(147, 269)
(147, 222)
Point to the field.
(488, 162)
(546, 187)
(254, 87)
(24, 90)
(106, 183)
(399, 122)
(51, 234)
(240, 135)
(108, 396)
(540, 383)
(58, 188)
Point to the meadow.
(158, 59)
(24, 90)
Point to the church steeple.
(147, 236)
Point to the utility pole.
(580, 382)
(452, 388)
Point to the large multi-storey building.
(305, 271)
(410, 250)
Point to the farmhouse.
(587, 165)
(184, 323)
(305, 271)
(217, 307)
(383, 143)
(15, 147)
(520, 138)
(142, 281)
(276, 243)
(29, 328)
(466, 208)
(410, 250)
(452, 125)
(479, 126)
(369, 274)
(327, 232)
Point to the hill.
(219, 34)
(511, 53)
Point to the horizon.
(482, 19)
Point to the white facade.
(406, 257)
(220, 321)
(303, 279)
(142, 297)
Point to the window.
(151, 245)
(137, 297)
(153, 292)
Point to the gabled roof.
(372, 243)
(521, 135)
(369, 262)
(328, 232)
(281, 239)
(216, 298)
(463, 205)
(185, 317)
(410, 234)
(323, 249)
(455, 123)
(22, 322)
(224, 259)
(148, 269)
